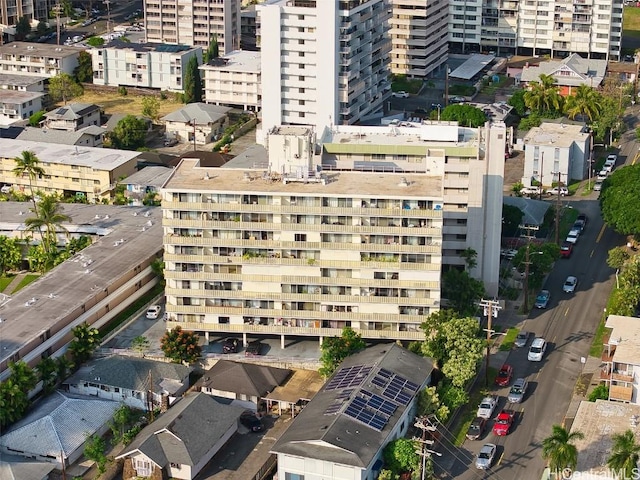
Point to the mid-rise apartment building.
(312, 242)
(147, 65)
(12, 10)
(17, 106)
(194, 22)
(233, 80)
(38, 59)
(590, 28)
(324, 61)
(419, 36)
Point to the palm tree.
(48, 217)
(624, 454)
(47, 373)
(586, 102)
(543, 96)
(558, 448)
(63, 367)
(28, 164)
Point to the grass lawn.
(631, 22)
(468, 412)
(597, 345)
(400, 83)
(509, 338)
(567, 219)
(112, 102)
(5, 281)
(28, 278)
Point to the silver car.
(518, 390)
(485, 456)
(570, 284)
(522, 339)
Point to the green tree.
(461, 291)
(23, 28)
(94, 449)
(84, 71)
(434, 345)
(95, 42)
(63, 367)
(511, 219)
(180, 346)
(36, 118)
(585, 102)
(157, 266)
(625, 454)
(401, 455)
(518, 103)
(192, 82)
(38, 258)
(10, 254)
(122, 418)
(86, 340)
(151, 107)
(29, 164)
(23, 375)
(212, 50)
(464, 348)
(47, 373)
(558, 449)
(13, 402)
(619, 200)
(617, 257)
(49, 219)
(543, 96)
(465, 115)
(129, 134)
(140, 344)
(64, 87)
(601, 392)
(336, 349)
(42, 27)
(470, 258)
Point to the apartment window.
(300, 102)
(300, 42)
(301, 90)
(301, 237)
(301, 29)
(301, 78)
(293, 476)
(143, 468)
(301, 114)
(301, 54)
(300, 17)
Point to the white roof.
(472, 66)
(236, 61)
(625, 335)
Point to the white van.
(537, 349)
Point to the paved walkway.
(14, 283)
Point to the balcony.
(620, 393)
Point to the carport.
(472, 66)
(295, 394)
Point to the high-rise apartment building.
(12, 10)
(419, 36)
(194, 22)
(590, 28)
(324, 62)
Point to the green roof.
(370, 149)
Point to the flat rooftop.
(94, 157)
(190, 176)
(625, 335)
(82, 277)
(39, 49)
(561, 135)
(236, 61)
(118, 44)
(19, 80)
(472, 66)
(18, 96)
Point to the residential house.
(568, 73)
(182, 440)
(17, 106)
(624, 72)
(22, 83)
(245, 383)
(621, 359)
(129, 380)
(517, 63)
(198, 123)
(86, 172)
(145, 184)
(56, 428)
(144, 65)
(369, 402)
(13, 467)
(556, 152)
(72, 117)
(233, 80)
(91, 136)
(38, 59)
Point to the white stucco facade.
(233, 80)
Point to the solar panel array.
(400, 390)
(349, 377)
(341, 399)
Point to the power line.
(490, 309)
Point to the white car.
(597, 186)
(570, 284)
(6, 189)
(530, 191)
(537, 349)
(559, 190)
(486, 456)
(487, 406)
(153, 312)
(400, 94)
(602, 174)
(573, 236)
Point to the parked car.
(487, 406)
(503, 423)
(518, 390)
(153, 312)
(253, 349)
(457, 100)
(566, 249)
(597, 186)
(602, 174)
(542, 300)
(573, 236)
(578, 225)
(558, 190)
(486, 456)
(230, 345)
(504, 375)
(537, 349)
(509, 253)
(522, 339)
(530, 191)
(249, 419)
(582, 218)
(5, 189)
(400, 94)
(476, 429)
(170, 142)
(570, 284)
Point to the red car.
(504, 420)
(566, 249)
(504, 376)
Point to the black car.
(230, 345)
(476, 429)
(582, 218)
(253, 349)
(251, 421)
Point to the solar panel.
(380, 381)
(349, 377)
(383, 372)
(333, 409)
(343, 395)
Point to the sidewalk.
(14, 283)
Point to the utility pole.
(490, 309)
(558, 209)
(527, 262)
(150, 397)
(446, 86)
(426, 425)
(56, 9)
(541, 174)
(108, 4)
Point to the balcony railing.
(620, 393)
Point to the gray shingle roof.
(59, 423)
(339, 438)
(244, 378)
(130, 373)
(18, 468)
(588, 72)
(198, 421)
(72, 111)
(59, 136)
(202, 113)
